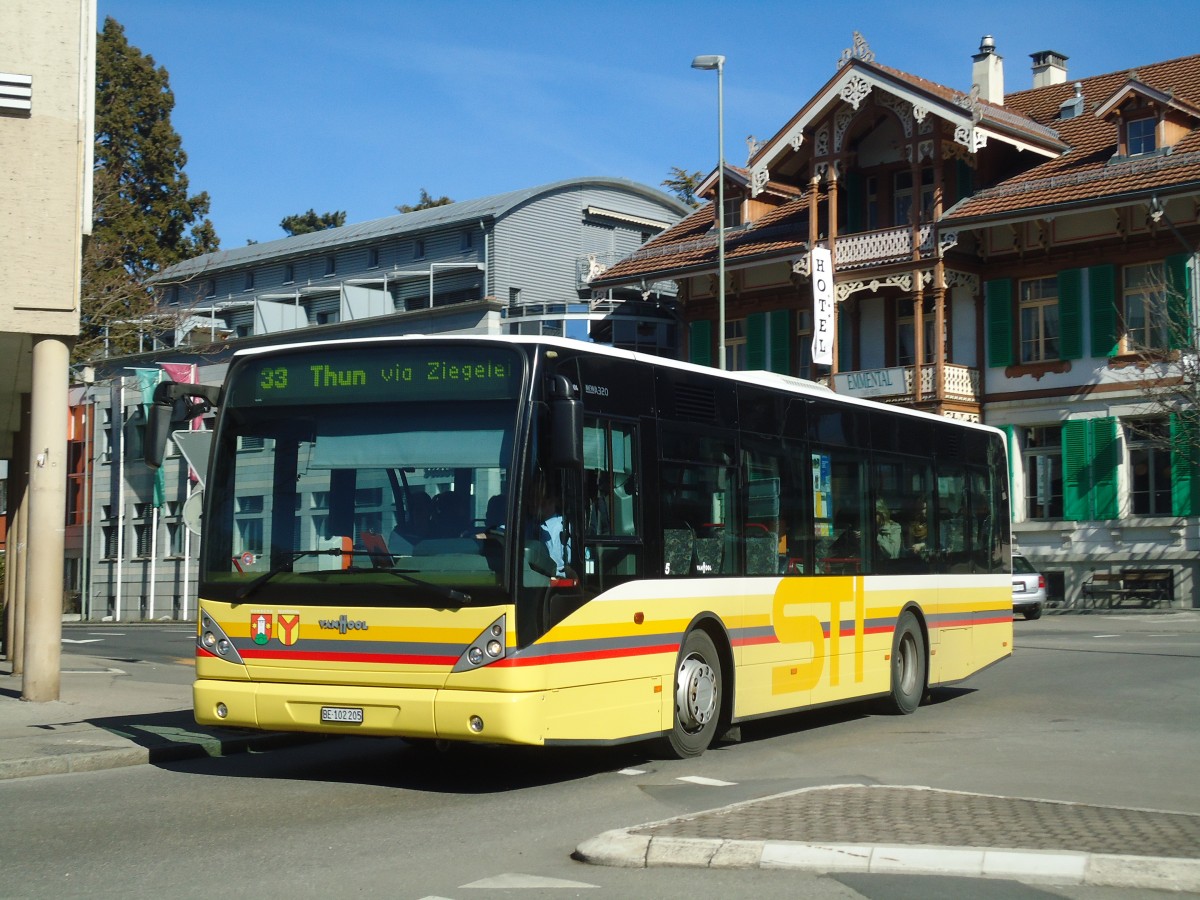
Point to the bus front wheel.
(908, 666)
(698, 696)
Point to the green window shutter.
(964, 177)
(1075, 470)
(1179, 300)
(854, 201)
(1185, 464)
(1070, 314)
(756, 341)
(1102, 304)
(998, 297)
(1010, 444)
(780, 322)
(1106, 457)
(845, 344)
(700, 349)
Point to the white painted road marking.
(707, 782)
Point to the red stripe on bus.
(753, 641)
(315, 656)
(586, 655)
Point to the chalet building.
(518, 262)
(1025, 258)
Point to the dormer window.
(733, 212)
(1140, 136)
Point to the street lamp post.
(709, 63)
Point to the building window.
(1043, 472)
(1140, 136)
(468, 240)
(902, 196)
(328, 317)
(735, 345)
(210, 287)
(871, 198)
(372, 257)
(1039, 319)
(906, 331)
(143, 534)
(1144, 307)
(330, 265)
(1149, 443)
(733, 212)
(248, 283)
(514, 296)
(419, 249)
(110, 541)
(289, 274)
(804, 334)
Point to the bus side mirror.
(158, 429)
(174, 404)
(566, 423)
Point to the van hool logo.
(343, 625)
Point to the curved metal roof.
(462, 211)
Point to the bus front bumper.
(510, 718)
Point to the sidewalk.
(105, 719)
(881, 829)
(108, 719)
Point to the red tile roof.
(1083, 171)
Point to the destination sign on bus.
(377, 374)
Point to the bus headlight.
(213, 640)
(489, 647)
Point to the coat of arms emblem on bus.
(260, 627)
(289, 629)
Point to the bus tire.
(698, 691)
(908, 666)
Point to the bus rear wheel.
(698, 695)
(908, 666)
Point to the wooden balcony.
(889, 245)
(960, 384)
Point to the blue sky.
(358, 105)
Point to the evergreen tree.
(143, 216)
(426, 202)
(683, 184)
(306, 223)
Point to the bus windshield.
(364, 475)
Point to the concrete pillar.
(47, 519)
(18, 499)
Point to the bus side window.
(611, 513)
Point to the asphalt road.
(1094, 709)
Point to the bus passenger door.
(612, 545)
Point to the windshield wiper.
(447, 592)
(284, 566)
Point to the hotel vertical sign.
(821, 272)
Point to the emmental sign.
(871, 383)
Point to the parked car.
(1029, 588)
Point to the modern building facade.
(519, 262)
(47, 52)
(1024, 258)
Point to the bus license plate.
(349, 714)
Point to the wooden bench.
(1149, 587)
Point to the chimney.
(1049, 67)
(988, 71)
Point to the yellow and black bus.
(548, 542)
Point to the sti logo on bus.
(794, 624)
